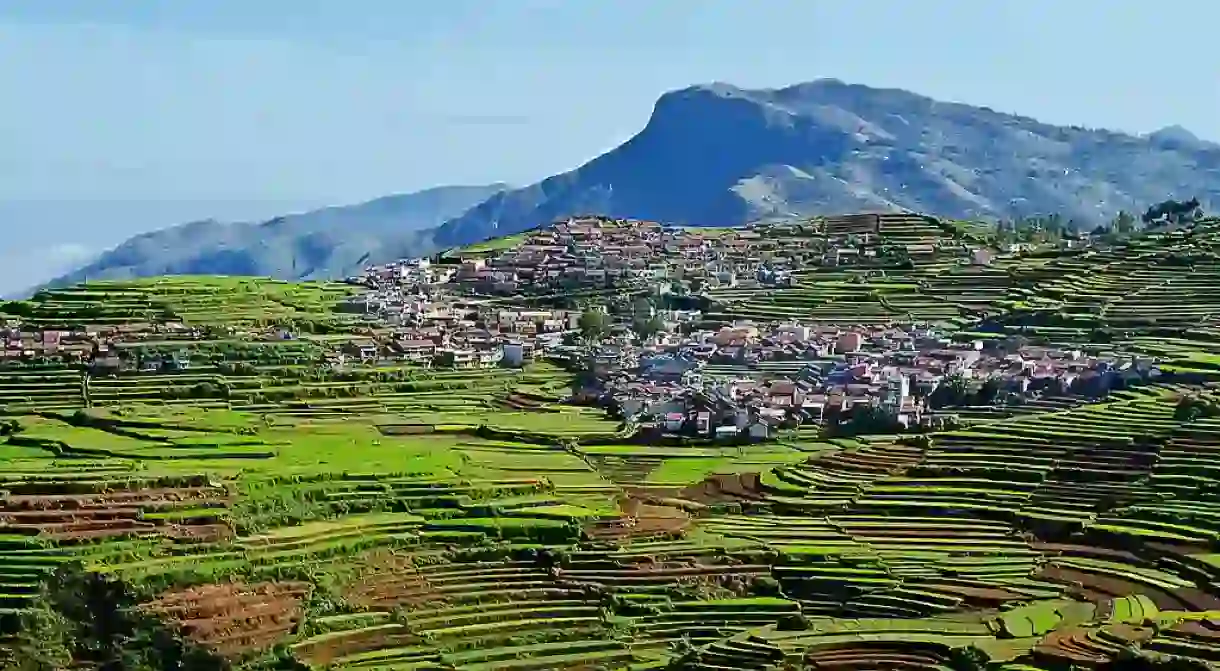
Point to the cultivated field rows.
(259, 510)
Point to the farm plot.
(234, 619)
(1159, 284)
(45, 388)
(194, 300)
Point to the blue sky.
(128, 115)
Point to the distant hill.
(718, 155)
(323, 243)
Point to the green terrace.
(194, 300)
(260, 506)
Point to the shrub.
(969, 658)
(1191, 407)
(793, 622)
(765, 586)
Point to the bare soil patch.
(724, 489)
(234, 618)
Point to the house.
(108, 364)
(458, 357)
(416, 351)
(489, 357)
(631, 407)
(178, 361)
(674, 421)
(666, 368)
(364, 349)
(794, 332)
(741, 418)
(850, 341)
(981, 257)
(783, 393)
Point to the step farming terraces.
(877, 269)
(215, 473)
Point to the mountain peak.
(717, 154)
(1174, 134)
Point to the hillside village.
(671, 370)
(623, 303)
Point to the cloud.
(21, 269)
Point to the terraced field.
(939, 285)
(201, 301)
(253, 511)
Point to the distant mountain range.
(720, 155)
(324, 243)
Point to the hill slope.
(322, 243)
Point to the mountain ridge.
(315, 244)
(827, 147)
(716, 154)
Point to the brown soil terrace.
(71, 518)
(1098, 588)
(639, 520)
(724, 489)
(234, 618)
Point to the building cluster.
(462, 335)
(19, 344)
(742, 380)
(750, 380)
(599, 253)
(103, 348)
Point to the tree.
(642, 307)
(1133, 659)
(990, 390)
(593, 324)
(954, 390)
(647, 327)
(869, 419)
(968, 658)
(1124, 223)
(1053, 224)
(1173, 211)
(1192, 407)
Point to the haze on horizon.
(122, 118)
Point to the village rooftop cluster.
(747, 379)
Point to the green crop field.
(260, 510)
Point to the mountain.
(328, 242)
(718, 155)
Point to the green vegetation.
(202, 301)
(261, 509)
